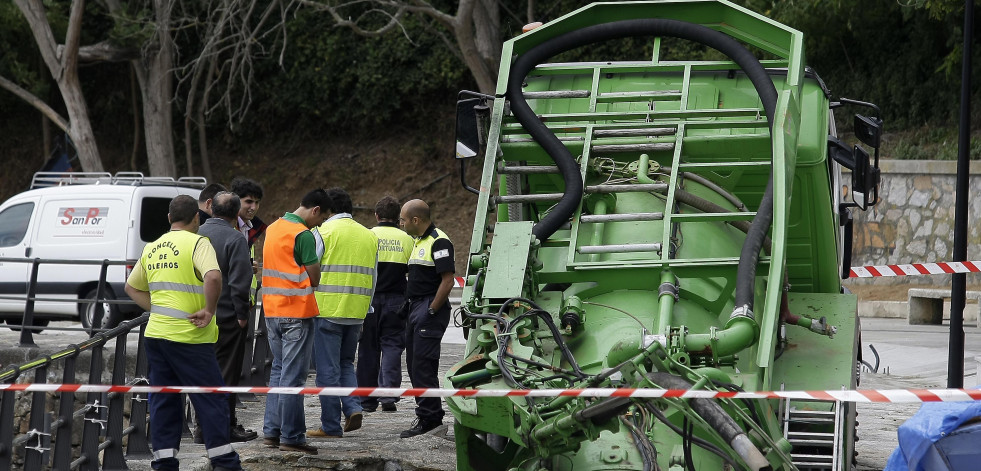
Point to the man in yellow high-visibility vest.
(347, 280)
(178, 280)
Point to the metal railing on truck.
(104, 424)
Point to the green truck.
(660, 222)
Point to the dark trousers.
(181, 364)
(423, 334)
(230, 350)
(380, 348)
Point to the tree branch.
(102, 52)
(69, 60)
(36, 102)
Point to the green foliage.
(133, 28)
(19, 61)
(333, 78)
(929, 143)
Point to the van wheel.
(14, 324)
(86, 311)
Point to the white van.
(80, 216)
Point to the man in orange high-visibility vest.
(291, 271)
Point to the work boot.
(239, 434)
(420, 427)
(353, 422)
(389, 407)
(300, 447)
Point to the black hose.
(525, 63)
(707, 409)
(698, 441)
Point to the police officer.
(178, 280)
(383, 332)
(429, 282)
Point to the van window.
(153, 218)
(13, 223)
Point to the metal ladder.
(814, 450)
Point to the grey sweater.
(232, 250)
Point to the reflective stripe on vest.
(347, 270)
(286, 290)
(370, 271)
(169, 312)
(422, 252)
(184, 288)
(175, 290)
(294, 277)
(344, 290)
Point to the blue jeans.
(291, 342)
(334, 349)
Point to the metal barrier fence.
(103, 412)
(27, 324)
(104, 425)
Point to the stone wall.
(914, 221)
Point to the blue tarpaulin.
(937, 439)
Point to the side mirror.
(868, 130)
(467, 135)
(472, 113)
(865, 180)
(471, 116)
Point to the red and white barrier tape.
(938, 268)
(459, 282)
(861, 395)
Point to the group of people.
(336, 295)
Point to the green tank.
(660, 222)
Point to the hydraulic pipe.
(643, 168)
(598, 209)
(667, 296)
(718, 419)
(740, 332)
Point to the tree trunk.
(80, 128)
(466, 37)
(133, 94)
(157, 88)
(64, 69)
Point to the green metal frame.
(719, 134)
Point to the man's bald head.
(415, 217)
(417, 208)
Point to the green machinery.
(659, 223)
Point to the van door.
(78, 226)
(16, 226)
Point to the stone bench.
(926, 306)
